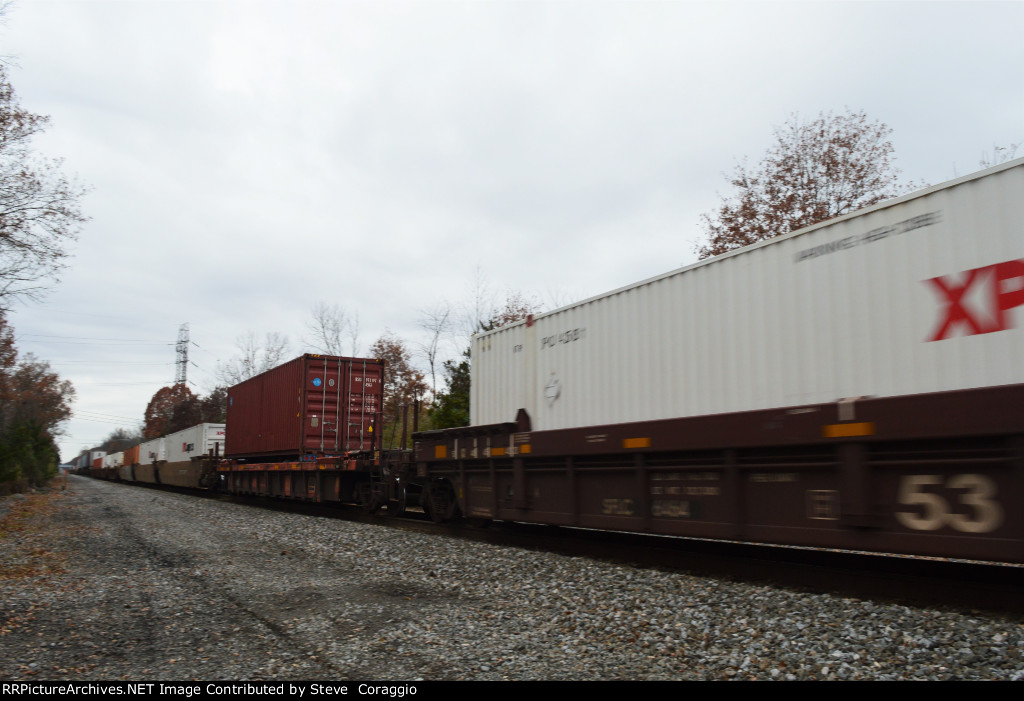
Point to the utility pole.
(181, 377)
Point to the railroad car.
(129, 463)
(191, 460)
(191, 456)
(858, 384)
(151, 455)
(83, 463)
(110, 465)
(308, 430)
(315, 404)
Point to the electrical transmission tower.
(181, 377)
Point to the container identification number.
(564, 337)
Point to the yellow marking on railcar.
(864, 428)
(440, 451)
(497, 452)
(636, 443)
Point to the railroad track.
(912, 581)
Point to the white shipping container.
(195, 441)
(153, 451)
(922, 293)
(113, 460)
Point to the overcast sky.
(249, 159)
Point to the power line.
(93, 338)
(99, 362)
(98, 413)
(101, 343)
(119, 422)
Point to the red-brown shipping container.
(315, 404)
(131, 455)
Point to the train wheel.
(442, 503)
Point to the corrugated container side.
(924, 293)
(152, 451)
(313, 404)
(113, 460)
(195, 441)
(131, 455)
(347, 418)
(245, 416)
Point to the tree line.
(34, 401)
(40, 215)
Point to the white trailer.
(195, 441)
(922, 293)
(153, 451)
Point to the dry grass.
(27, 547)
(30, 550)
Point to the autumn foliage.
(516, 308)
(403, 383)
(814, 171)
(160, 410)
(34, 401)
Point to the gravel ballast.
(107, 581)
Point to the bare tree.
(329, 327)
(815, 170)
(556, 297)
(451, 406)
(475, 312)
(325, 327)
(353, 334)
(1000, 154)
(40, 211)
(121, 439)
(436, 321)
(253, 358)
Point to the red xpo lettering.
(995, 289)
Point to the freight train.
(858, 384)
(183, 459)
